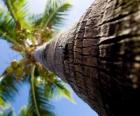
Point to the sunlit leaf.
(63, 90)
(2, 103)
(18, 11)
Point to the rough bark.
(100, 57)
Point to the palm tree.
(100, 57)
(25, 32)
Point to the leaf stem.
(33, 91)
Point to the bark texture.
(100, 57)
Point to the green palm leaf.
(58, 89)
(8, 87)
(7, 26)
(63, 90)
(38, 103)
(54, 13)
(18, 11)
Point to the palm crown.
(25, 32)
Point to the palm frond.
(54, 13)
(53, 86)
(63, 90)
(58, 88)
(14, 26)
(7, 26)
(38, 103)
(18, 11)
(8, 87)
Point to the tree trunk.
(100, 57)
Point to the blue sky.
(62, 106)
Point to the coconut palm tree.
(25, 32)
(100, 57)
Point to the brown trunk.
(100, 57)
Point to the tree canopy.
(24, 32)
